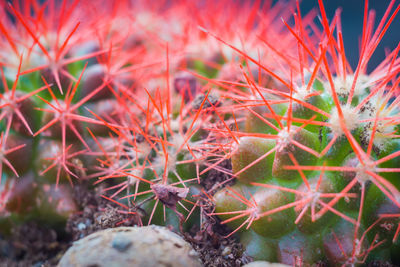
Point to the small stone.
(149, 246)
(226, 251)
(81, 226)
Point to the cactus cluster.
(142, 101)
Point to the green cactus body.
(251, 149)
(277, 224)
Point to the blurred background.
(352, 23)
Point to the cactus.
(146, 103)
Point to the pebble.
(149, 246)
(81, 226)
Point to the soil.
(216, 180)
(96, 214)
(210, 241)
(32, 245)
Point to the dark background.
(352, 23)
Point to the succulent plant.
(146, 103)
